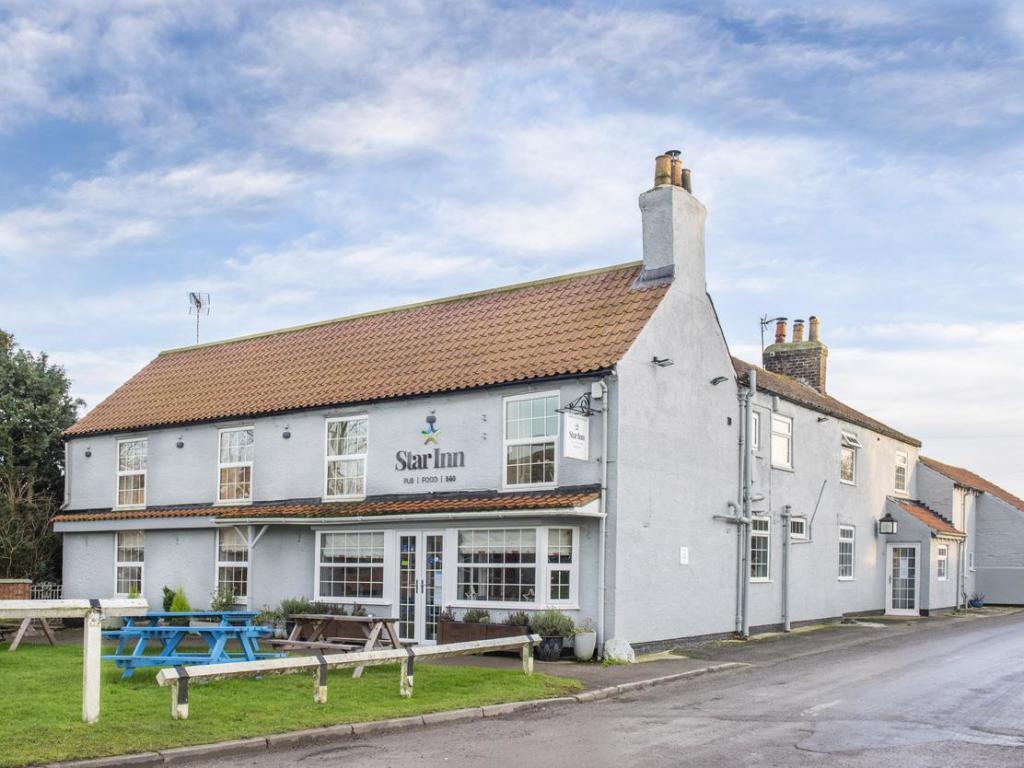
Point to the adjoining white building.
(585, 443)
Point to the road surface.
(948, 695)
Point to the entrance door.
(902, 588)
(420, 567)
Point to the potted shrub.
(554, 627)
(977, 600)
(584, 640)
(475, 624)
(477, 616)
(292, 605)
(179, 604)
(223, 599)
(519, 619)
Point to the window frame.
(942, 562)
(853, 553)
(789, 437)
(235, 464)
(766, 534)
(119, 564)
(970, 561)
(906, 472)
(803, 535)
(506, 442)
(849, 442)
(387, 564)
(328, 457)
(755, 437)
(245, 531)
(118, 473)
(542, 580)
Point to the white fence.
(178, 677)
(47, 590)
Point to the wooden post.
(527, 659)
(91, 667)
(179, 699)
(320, 682)
(405, 685)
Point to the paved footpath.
(947, 693)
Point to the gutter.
(356, 519)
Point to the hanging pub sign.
(575, 436)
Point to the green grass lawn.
(41, 703)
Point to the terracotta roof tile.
(795, 391)
(411, 505)
(572, 324)
(927, 515)
(968, 479)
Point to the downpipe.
(787, 512)
(603, 525)
(748, 430)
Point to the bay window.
(233, 563)
(129, 562)
(531, 439)
(131, 473)
(350, 565)
(347, 445)
(234, 465)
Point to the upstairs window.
(847, 541)
(900, 483)
(347, 444)
(131, 473)
(798, 527)
(782, 441)
(233, 563)
(760, 548)
(531, 439)
(129, 562)
(755, 435)
(848, 458)
(234, 465)
(942, 562)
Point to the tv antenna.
(765, 322)
(198, 305)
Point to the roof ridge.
(977, 482)
(404, 307)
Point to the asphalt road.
(951, 695)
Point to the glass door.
(902, 580)
(420, 584)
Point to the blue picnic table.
(216, 630)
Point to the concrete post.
(91, 667)
(527, 659)
(405, 686)
(320, 684)
(179, 699)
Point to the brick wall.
(805, 361)
(14, 589)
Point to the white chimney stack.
(673, 223)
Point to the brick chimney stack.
(805, 361)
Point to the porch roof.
(566, 500)
(940, 526)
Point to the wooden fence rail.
(178, 678)
(93, 611)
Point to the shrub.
(477, 616)
(518, 619)
(180, 605)
(552, 624)
(222, 600)
(334, 609)
(133, 593)
(292, 605)
(446, 615)
(168, 597)
(269, 616)
(584, 627)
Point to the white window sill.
(132, 508)
(846, 578)
(233, 503)
(541, 487)
(782, 468)
(343, 498)
(352, 601)
(760, 581)
(847, 482)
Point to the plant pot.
(976, 603)
(584, 644)
(550, 649)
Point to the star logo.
(431, 433)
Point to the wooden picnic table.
(26, 629)
(217, 631)
(311, 632)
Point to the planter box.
(340, 627)
(463, 632)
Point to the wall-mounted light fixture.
(180, 443)
(888, 526)
(718, 380)
(822, 418)
(287, 432)
(88, 451)
(662, 362)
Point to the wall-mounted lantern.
(287, 432)
(180, 443)
(887, 526)
(88, 451)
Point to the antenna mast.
(198, 305)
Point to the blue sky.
(299, 161)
